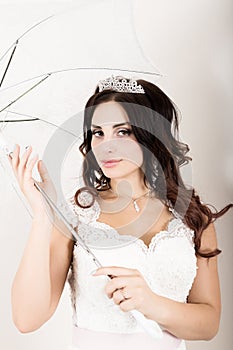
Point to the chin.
(114, 174)
(118, 174)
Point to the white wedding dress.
(168, 265)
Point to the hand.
(128, 289)
(22, 168)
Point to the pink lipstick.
(110, 163)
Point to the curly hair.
(152, 116)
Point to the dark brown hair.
(152, 116)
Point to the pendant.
(136, 206)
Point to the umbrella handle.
(151, 327)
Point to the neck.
(132, 186)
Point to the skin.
(113, 142)
(41, 276)
(199, 318)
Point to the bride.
(155, 238)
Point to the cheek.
(132, 152)
(95, 147)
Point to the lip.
(110, 162)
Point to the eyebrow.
(114, 126)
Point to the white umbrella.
(57, 62)
(98, 38)
(49, 69)
(54, 65)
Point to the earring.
(155, 174)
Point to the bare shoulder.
(206, 288)
(209, 238)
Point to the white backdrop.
(190, 42)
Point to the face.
(114, 145)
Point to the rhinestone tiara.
(120, 84)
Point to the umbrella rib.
(35, 25)
(83, 68)
(9, 62)
(50, 123)
(24, 33)
(32, 119)
(105, 68)
(27, 91)
(18, 120)
(65, 70)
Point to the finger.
(121, 282)
(116, 271)
(126, 293)
(9, 156)
(15, 158)
(23, 161)
(44, 174)
(115, 284)
(118, 297)
(29, 167)
(127, 305)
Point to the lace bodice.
(168, 265)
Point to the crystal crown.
(120, 84)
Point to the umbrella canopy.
(53, 67)
(46, 74)
(71, 51)
(97, 34)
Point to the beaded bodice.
(168, 265)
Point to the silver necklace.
(136, 207)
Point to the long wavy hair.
(154, 121)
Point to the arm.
(199, 318)
(196, 320)
(41, 275)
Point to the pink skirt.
(85, 339)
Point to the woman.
(152, 234)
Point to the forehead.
(109, 113)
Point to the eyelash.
(125, 131)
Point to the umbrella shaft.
(67, 224)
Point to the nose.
(109, 146)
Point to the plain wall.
(190, 42)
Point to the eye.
(120, 132)
(125, 132)
(97, 133)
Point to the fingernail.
(27, 147)
(7, 150)
(93, 272)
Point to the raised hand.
(22, 168)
